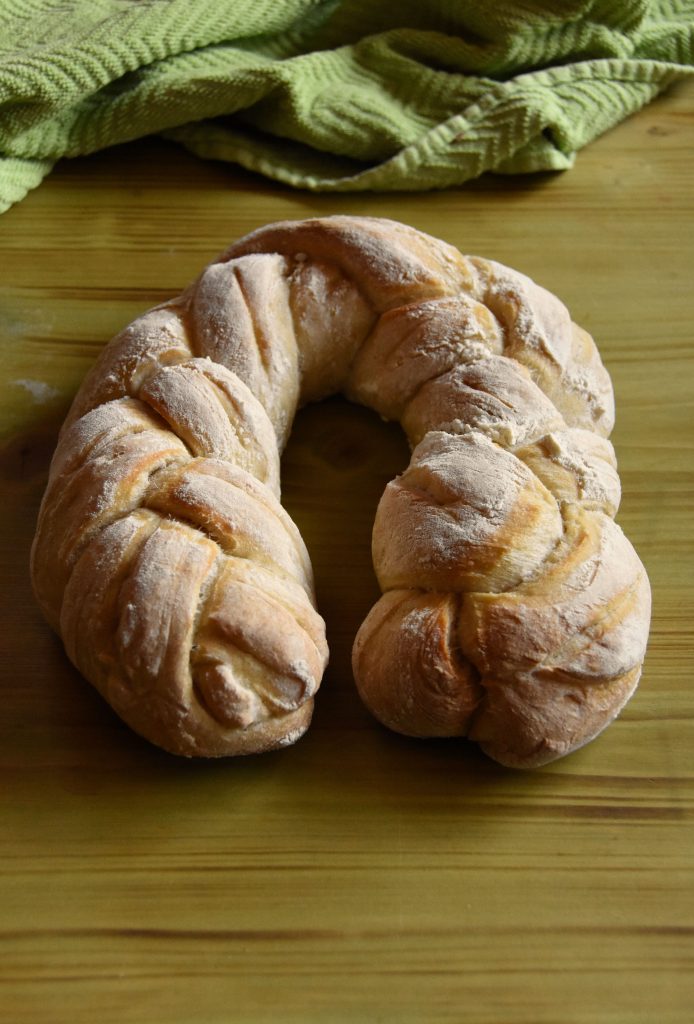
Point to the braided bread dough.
(514, 611)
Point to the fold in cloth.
(332, 95)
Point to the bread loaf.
(514, 611)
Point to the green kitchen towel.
(332, 94)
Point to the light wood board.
(359, 876)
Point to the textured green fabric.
(332, 94)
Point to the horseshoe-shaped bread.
(514, 611)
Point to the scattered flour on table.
(38, 389)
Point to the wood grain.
(359, 876)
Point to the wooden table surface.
(358, 876)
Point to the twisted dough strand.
(514, 610)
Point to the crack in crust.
(514, 610)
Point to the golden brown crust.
(418, 682)
(464, 516)
(515, 612)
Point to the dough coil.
(514, 610)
